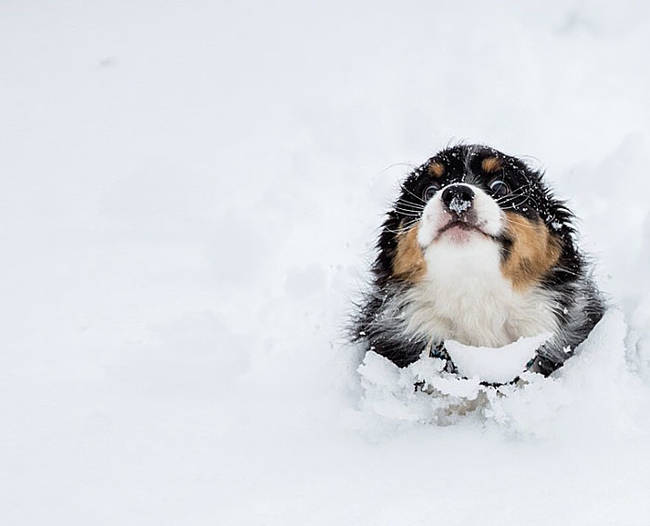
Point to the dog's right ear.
(386, 247)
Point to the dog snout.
(458, 198)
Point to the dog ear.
(386, 247)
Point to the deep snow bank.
(594, 390)
(190, 193)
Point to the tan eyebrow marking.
(490, 164)
(436, 169)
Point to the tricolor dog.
(477, 249)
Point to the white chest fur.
(465, 297)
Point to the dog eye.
(499, 188)
(430, 191)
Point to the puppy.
(477, 249)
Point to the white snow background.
(189, 197)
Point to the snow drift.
(190, 194)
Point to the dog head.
(473, 208)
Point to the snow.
(495, 364)
(458, 205)
(538, 407)
(189, 197)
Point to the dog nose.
(458, 198)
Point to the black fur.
(579, 305)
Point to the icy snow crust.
(190, 194)
(424, 393)
(495, 365)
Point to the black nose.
(458, 198)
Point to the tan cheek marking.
(532, 254)
(408, 262)
(436, 169)
(490, 164)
